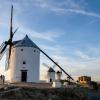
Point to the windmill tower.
(24, 62)
(50, 73)
(59, 74)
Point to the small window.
(24, 62)
(34, 50)
(21, 49)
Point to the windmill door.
(23, 75)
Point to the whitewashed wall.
(32, 60)
(50, 75)
(58, 75)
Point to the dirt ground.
(42, 92)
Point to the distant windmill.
(50, 73)
(58, 72)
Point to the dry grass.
(31, 93)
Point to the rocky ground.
(11, 92)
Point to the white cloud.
(46, 35)
(82, 55)
(83, 12)
(70, 6)
(60, 7)
(63, 11)
(92, 22)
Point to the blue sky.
(68, 30)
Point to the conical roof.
(51, 70)
(25, 42)
(58, 72)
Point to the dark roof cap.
(58, 72)
(51, 70)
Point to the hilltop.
(16, 92)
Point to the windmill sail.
(46, 65)
(1, 55)
(6, 62)
(5, 44)
(11, 35)
(1, 47)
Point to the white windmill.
(59, 74)
(23, 58)
(50, 73)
